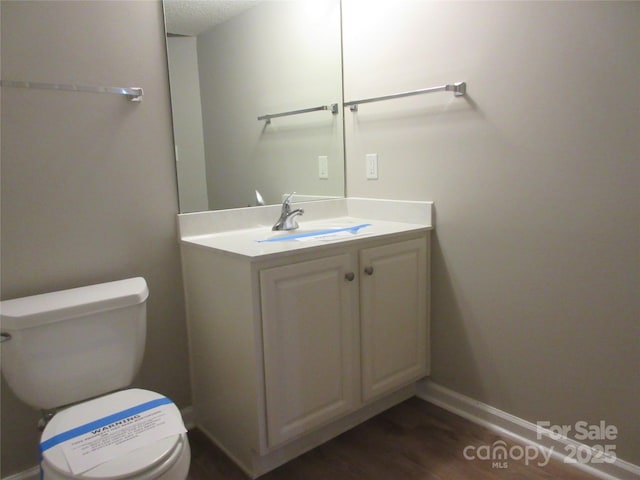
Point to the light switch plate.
(323, 166)
(372, 166)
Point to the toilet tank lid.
(35, 310)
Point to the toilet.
(75, 352)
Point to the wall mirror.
(231, 62)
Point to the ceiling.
(192, 17)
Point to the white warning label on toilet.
(120, 434)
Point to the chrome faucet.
(287, 220)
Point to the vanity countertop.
(262, 242)
(324, 224)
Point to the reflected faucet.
(287, 220)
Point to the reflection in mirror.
(260, 58)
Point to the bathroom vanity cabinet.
(291, 348)
(339, 331)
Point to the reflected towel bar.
(134, 94)
(333, 108)
(459, 89)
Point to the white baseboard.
(523, 431)
(33, 473)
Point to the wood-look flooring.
(414, 440)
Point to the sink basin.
(323, 234)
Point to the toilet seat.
(146, 462)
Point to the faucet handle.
(287, 201)
(286, 204)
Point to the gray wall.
(88, 180)
(535, 177)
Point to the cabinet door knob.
(349, 276)
(368, 270)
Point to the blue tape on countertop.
(102, 422)
(295, 236)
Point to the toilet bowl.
(165, 458)
(75, 351)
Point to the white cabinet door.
(309, 319)
(394, 317)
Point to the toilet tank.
(72, 345)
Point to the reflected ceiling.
(192, 17)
